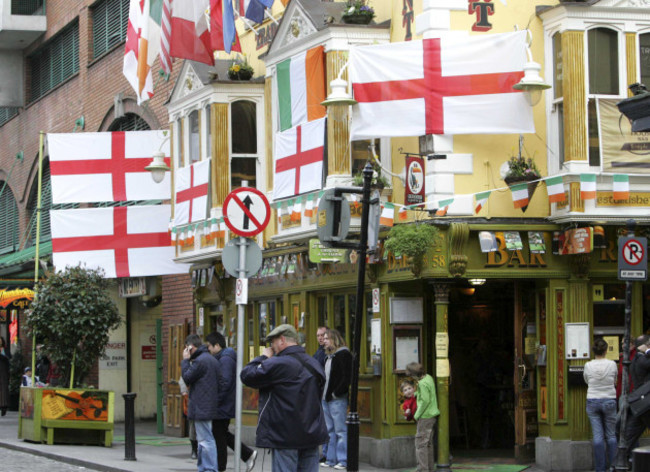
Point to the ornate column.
(220, 169)
(630, 59)
(575, 97)
(338, 126)
(442, 372)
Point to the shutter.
(55, 62)
(46, 205)
(7, 113)
(129, 122)
(8, 220)
(110, 20)
(25, 7)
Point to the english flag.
(299, 154)
(191, 193)
(106, 166)
(142, 45)
(130, 241)
(449, 85)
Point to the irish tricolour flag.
(301, 88)
(555, 189)
(587, 186)
(621, 186)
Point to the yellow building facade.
(498, 328)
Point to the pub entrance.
(490, 382)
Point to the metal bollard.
(641, 458)
(129, 426)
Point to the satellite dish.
(503, 170)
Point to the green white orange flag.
(520, 195)
(587, 186)
(301, 88)
(387, 217)
(555, 189)
(621, 187)
(481, 199)
(296, 211)
(401, 215)
(142, 45)
(309, 207)
(443, 206)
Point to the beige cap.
(283, 330)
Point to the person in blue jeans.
(338, 368)
(600, 375)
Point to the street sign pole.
(241, 309)
(621, 453)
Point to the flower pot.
(242, 74)
(357, 19)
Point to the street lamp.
(532, 84)
(158, 167)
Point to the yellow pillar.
(630, 59)
(220, 154)
(442, 378)
(338, 129)
(575, 97)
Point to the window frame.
(259, 132)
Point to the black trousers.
(225, 439)
(635, 427)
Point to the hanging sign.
(414, 189)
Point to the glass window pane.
(369, 317)
(244, 127)
(338, 321)
(560, 129)
(194, 137)
(208, 130)
(603, 61)
(594, 146)
(352, 310)
(263, 322)
(558, 72)
(243, 168)
(644, 58)
(322, 311)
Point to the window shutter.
(7, 113)
(8, 220)
(129, 122)
(110, 20)
(25, 7)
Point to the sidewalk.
(154, 452)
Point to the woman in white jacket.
(600, 375)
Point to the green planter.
(357, 19)
(70, 416)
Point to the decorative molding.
(191, 83)
(458, 237)
(442, 290)
(299, 28)
(580, 264)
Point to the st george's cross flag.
(106, 166)
(299, 155)
(451, 85)
(128, 241)
(142, 45)
(191, 193)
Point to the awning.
(18, 262)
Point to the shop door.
(175, 424)
(525, 407)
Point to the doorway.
(482, 357)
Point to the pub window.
(602, 46)
(110, 19)
(609, 309)
(194, 146)
(243, 165)
(644, 58)
(8, 220)
(55, 62)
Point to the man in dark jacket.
(228, 368)
(200, 372)
(291, 421)
(640, 373)
(320, 355)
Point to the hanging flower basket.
(358, 13)
(357, 19)
(531, 187)
(242, 74)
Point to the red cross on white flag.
(128, 241)
(192, 193)
(299, 154)
(106, 167)
(451, 85)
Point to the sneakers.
(340, 466)
(325, 464)
(250, 463)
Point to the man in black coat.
(640, 372)
(200, 373)
(224, 438)
(291, 421)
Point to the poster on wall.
(577, 340)
(622, 150)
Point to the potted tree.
(412, 241)
(72, 316)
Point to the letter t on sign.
(483, 9)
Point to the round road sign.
(246, 211)
(633, 252)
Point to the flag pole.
(37, 262)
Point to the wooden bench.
(105, 429)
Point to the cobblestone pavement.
(16, 461)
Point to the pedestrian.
(600, 375)
(290, 421)
(201, 374)
(320, 356)
(640, 372)
(26, 380)
(226, 411)
(425, 416)
(185, 395)
(338, 369)
(409, 403)
(42, 364)
(5, 356)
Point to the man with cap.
(292, 429)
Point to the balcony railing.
(28, 7)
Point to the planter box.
(62, 415)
